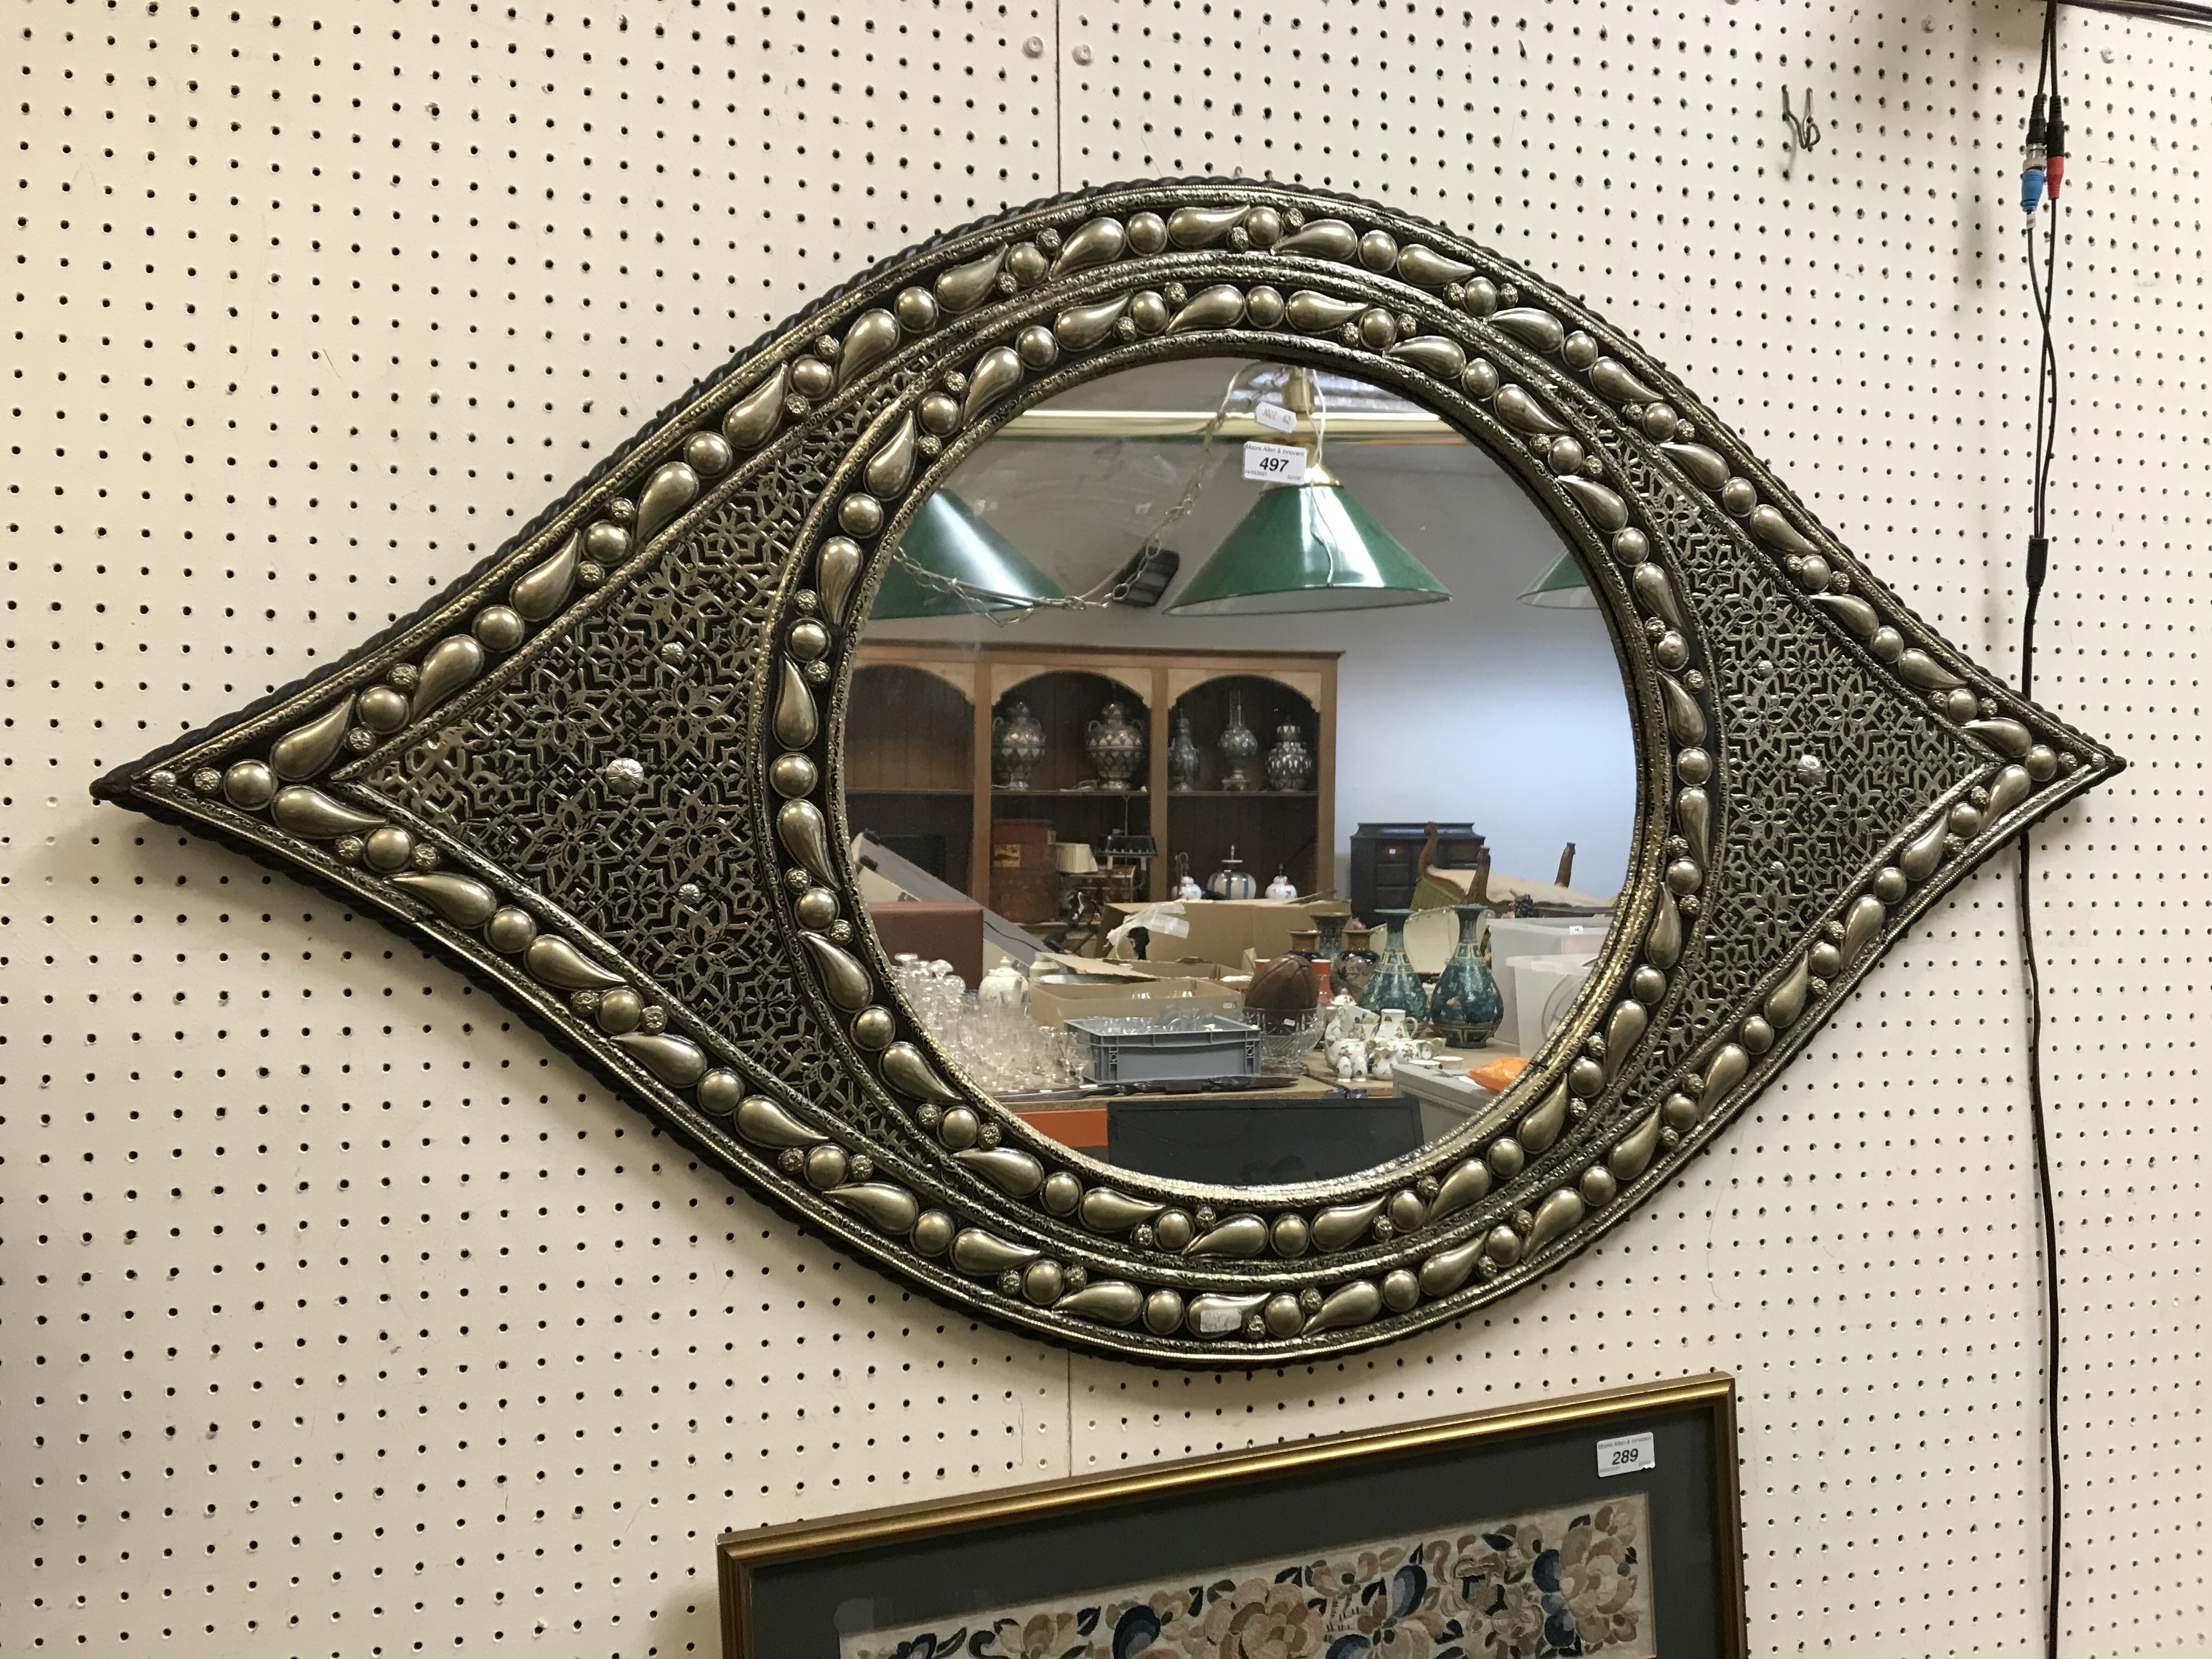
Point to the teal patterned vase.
(1394, 984)
(1466, 1008)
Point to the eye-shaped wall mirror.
(1208, 770)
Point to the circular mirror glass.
(1239, 771)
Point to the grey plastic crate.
(1186, 1046)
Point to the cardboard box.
(1113, 990)
(1223, 930)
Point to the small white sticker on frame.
(1627, 1453)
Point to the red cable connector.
(2055, 166)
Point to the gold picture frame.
(796, 1590)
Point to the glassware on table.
(1283, 1051)
(988, 1032)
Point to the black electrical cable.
(2038, 557)
(2044, 292)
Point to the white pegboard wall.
(340, 1317)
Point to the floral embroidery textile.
(1566, 1583)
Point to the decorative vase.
(1290, 762)
(1232, 880)
(1354, 964)
(1394, 983)
(1017, 745)
(1116, 747)
(1182, 755)
(1466, 1007)
(1329, 935)
(1237, 747)
(1306, 942)
(1184, 885)
(1282, 887)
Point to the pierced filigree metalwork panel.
(601, 771)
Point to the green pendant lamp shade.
(1306, 547)
(951, 563)
(1561, 588)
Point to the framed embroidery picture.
(1603, 1526)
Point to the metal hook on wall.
(1804, 130)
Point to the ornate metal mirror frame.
(601, 772)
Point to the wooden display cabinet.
(918, 753)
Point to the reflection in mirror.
(1239, 772)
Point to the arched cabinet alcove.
(1271, 811)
